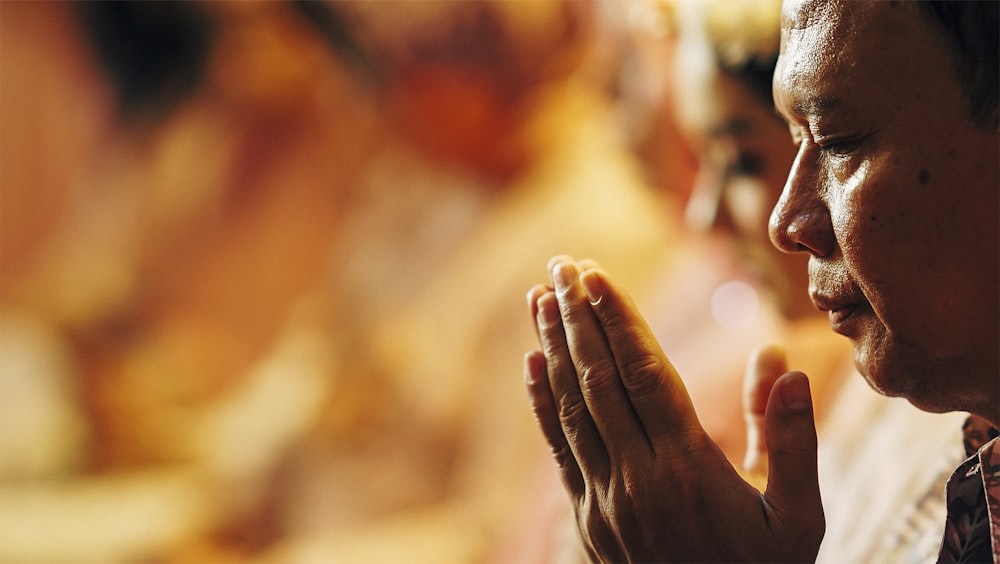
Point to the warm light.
(735, 305)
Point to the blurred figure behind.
(726, 51)
(729, 290)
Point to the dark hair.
(154, 53)
(973, 29)
(755, 74)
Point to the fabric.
(972, 529)
(883, 466)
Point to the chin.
(929, 407)
(913, 378)
(884, 373)
(907, 387)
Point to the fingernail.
(556, 260)
(593, 286)
(530, 374)
(548, 310)
(795, 392)
(532, 296)
(563, 275)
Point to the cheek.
(884, 216)
(877, 237)
(906, 261)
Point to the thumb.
(793, 483)
(766, 364)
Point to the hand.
(646, 481)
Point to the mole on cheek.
(923, 176)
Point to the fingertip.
(593, 285)
(794, 392)
(558, 259)
(533, 294)
(793, 482)
(548, 310)
(564, 276)
(534, 369)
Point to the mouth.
(840, 316)
(841, 312)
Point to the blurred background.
(263, 266)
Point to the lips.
(840, 315)
(841, 310)
(832, 289)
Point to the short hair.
(973, 29)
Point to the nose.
(800, 221)
(706, 207)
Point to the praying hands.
(646, 481)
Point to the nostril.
(809, 231)
(796, 229)
(778, 232)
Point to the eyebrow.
(811, 107)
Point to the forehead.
(832, 50)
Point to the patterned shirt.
(972, 529)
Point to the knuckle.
(598, 375)
(552, 347)
(572, 308)
(643, 375)
(573, 410)
(563, 456)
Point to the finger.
(654, 388)
(533, 294)
(556, 260)
(577, 424)
(792, 482)
(595, 365)
(544, 407)
(766, 364)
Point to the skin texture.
(647, 482)
(893, 195)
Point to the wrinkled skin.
(647, 482)
(894, 196)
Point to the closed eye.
(839, 147)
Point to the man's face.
(894, 194)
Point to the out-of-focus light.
(735, 305)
